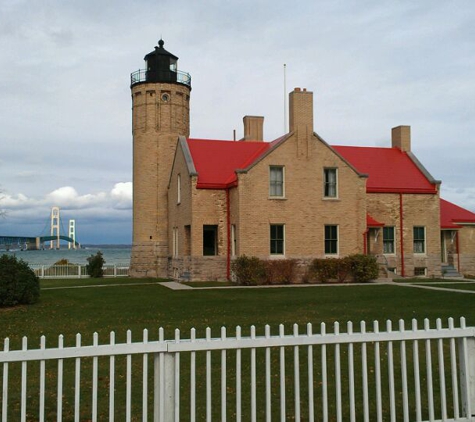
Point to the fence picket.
(6, 348)
(282, 376)
(364, 370)
(268, 377)
(145, 380)
(392, 393)
(351, 374)
(440, 350)
(77, 382)
(377, 374)
(253, 378)
(311, 404)
(223, 377)
(208, 377)
(430, 391)
(238, 377)
(417, 380)
(296, 375)
(24, 369)
(111, 379)
(192, 379)
(42, 380)
(405, 398)
(453, 371)
(324, 376)
(95, 342)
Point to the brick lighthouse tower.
(160, 113)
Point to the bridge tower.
(55, 224)
(160, 114)
(72, 234)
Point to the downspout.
(365, 240)
(228, 228)
(401, 229)
(457, 245)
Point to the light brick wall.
(466, 250)
(418, 210)
(304, 211)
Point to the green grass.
(458, 286)
(134, 305)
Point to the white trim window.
(233, 240)
(419, 239)
(330, 183)
(276, 181)
(175, 242)
(388, 240)
(331, 239)
(178, 189)
(277, 239)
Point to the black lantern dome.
(161, 67)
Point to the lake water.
(113, 254)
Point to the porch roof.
(453, 217)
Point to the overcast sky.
(65, 107)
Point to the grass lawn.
(135, 305)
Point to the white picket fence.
(77, 271)
(417, 374)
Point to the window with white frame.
(330, 183)
(233, 240)
(277, 239)
(175, 241)
(388, 240)
(419, 239)
(331, 240)
(276, 181)
(178, 189)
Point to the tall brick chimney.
(301, 119)
(253, 128)
(301, 110)
(401, 138)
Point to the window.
(277, 239)
(331, 240)
(388, 240)
(419, 240)
(420, 271)
(330, 183)
(175, 241)
(276, 181)
(178, 189)
(210, 237)
(187, 242)
(233, 240)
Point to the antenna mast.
(285, 98)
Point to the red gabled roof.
(389, 169)
(216, 161)
(452, 215)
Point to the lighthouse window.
(173, 66)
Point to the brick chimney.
(301, 119)
(253, 128)
(301, 110)
(401, 138)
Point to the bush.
(280, 271)
(249, 271)
(324, 270)
(363, 268)
(18, 282)
(94, 267)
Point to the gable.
(390, 170)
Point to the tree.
(18, 282)
(95, 263)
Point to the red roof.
(451, 214)
(371, 222)
(389, 169)
(216, 161)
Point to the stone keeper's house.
(199, 203)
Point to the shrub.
(94, 267)
(363, 268)
(280, 271)
(249, 271)
(324, 270)
(18, 282)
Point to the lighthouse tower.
(160, 113)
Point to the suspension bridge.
(48, 241)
